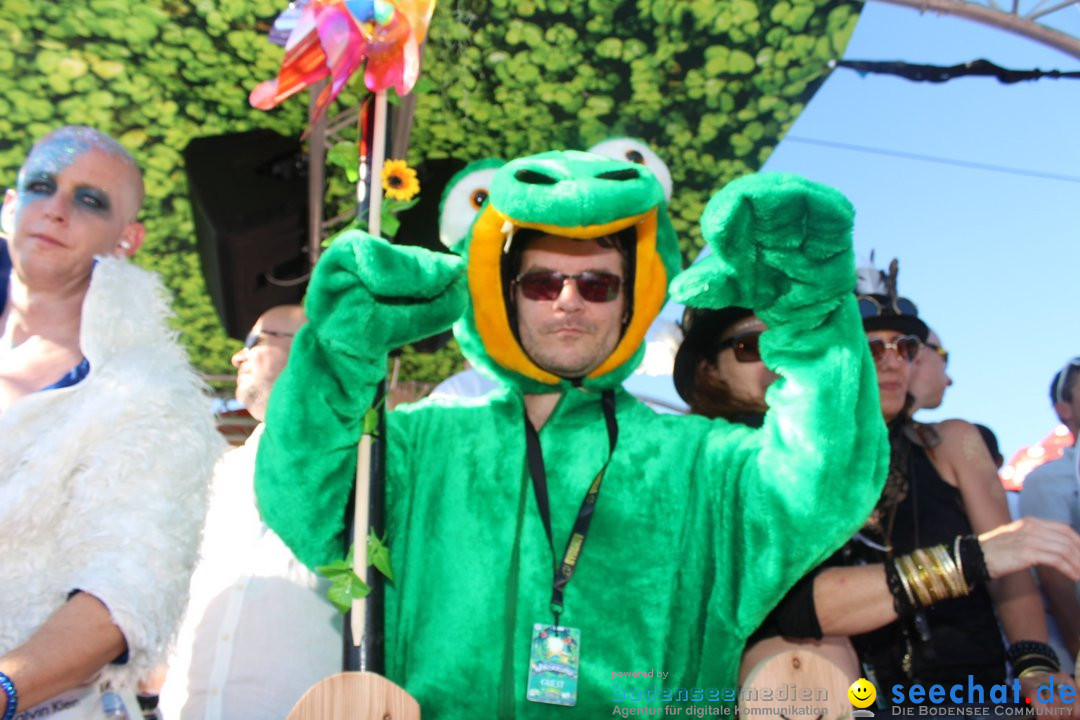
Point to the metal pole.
(316, 177)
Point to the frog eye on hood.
(462, 199)
(636, 151)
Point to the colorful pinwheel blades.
(335, 37)
(286, 22)
(324, 40)
(394, 55)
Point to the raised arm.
(366, 297)
(795, 490)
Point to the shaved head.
(56, 150)
(929, 376)
(259, 364)
(283, 318)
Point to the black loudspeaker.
(249, 197)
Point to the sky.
(992, 259)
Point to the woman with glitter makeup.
(107, 438)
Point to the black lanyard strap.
(565, 570)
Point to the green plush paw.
(777, 240)
(368, 296)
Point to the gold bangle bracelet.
(953, 579)
(904, 581)
(934, 575)
(907, 574)
(915, 577)
(925, 576)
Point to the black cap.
(883, 312)
(702, 329)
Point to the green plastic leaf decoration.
(344, 155)
(345, 585)
(390, 223)
(371, 421)
(378, 553)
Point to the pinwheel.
(335, 37)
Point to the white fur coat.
(103, 484)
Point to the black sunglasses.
(594, 286)
(253, 338)
(906, 346)
(871, 307)
(744, 345)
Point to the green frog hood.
(576, 195)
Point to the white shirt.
(259, 630)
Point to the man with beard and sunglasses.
(556, 537)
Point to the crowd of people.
(873, 589)
(800, 503)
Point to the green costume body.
(700, 525)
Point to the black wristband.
(1032, 655)
(902, 602)
(796, 614)
(972, 560)
(1021, 650)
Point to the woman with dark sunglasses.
(718, 369)
(913, 589)
(938, 555)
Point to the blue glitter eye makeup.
(39, 184)
(92, 199)
(42, 184)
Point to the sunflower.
(399, 180)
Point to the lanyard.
(565, 570)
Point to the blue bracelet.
(12, 696)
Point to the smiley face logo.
(861, 693)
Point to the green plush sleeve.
(811, 475)
(366, 297)
(807, 480)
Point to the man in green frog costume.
(556, 535)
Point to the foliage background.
(710, 84)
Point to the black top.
(962, 636)
(963, 633)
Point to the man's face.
(1068, 411)
(746, 382)
(569, 336)
(71, 205)
(258, 366)
(928, 376)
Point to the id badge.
(553, 664)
